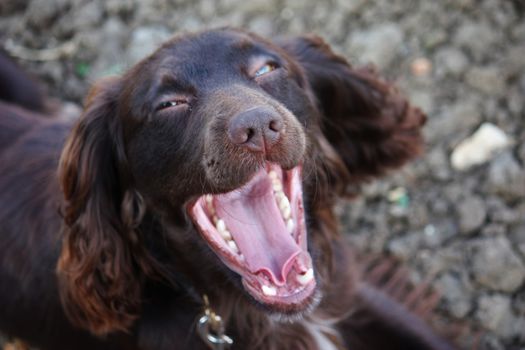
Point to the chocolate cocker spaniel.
(191, 205)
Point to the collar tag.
(211, 328)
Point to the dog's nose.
(257, 129)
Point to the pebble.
(452, 61)
(506, 177)
(421, 66)
(488, 79)
(378, 45)
(465, 114)
(494, 313)
(479, 147)
(472, 213)
(495, 265)
(456, 294)
(144, 41)
(476, 37)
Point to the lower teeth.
(269, 290)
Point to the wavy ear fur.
(102, 262)
(364, 118)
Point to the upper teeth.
(306, 277)
(282, 201)
(290, 225)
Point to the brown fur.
(130, 267)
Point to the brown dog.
(210, 168)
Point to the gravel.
(462, 61)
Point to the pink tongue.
(256, 224)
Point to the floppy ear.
(102, 260)
(364, 118)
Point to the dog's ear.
(364, 118)
(102, 260)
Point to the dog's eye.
(267, 68)
(168, 104)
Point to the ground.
(462, 61)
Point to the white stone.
(480, 147)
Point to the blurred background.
(456, 216)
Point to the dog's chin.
(258, 231)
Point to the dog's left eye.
(267, 68)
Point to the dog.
(191, 206)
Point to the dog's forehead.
(211, 49)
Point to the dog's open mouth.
(258, 230)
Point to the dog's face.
(218, 119)
(238, 132)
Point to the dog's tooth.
(287, 211)
(269, 291)
(284, 203)
(277, 186)
(226, 235)
(279, 195)
(233, 247)
(215, 219)
(290, 225)
(209, 204)
(220, 225)
(272, 174)
(306, 277)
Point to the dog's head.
(242, 134)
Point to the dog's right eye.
(169, 104)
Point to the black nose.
(257, 129)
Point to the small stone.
(379, 44)
(521, 152)
(495, 265)
(404, 247)
(489, 80)
(517, 237)
(479, 147)
(494, 313)
(506, 177)
(144, 41)
(465, 114)
(438, 164)
(456, 295)
(451, 61)
(499, 212)
(477, 38)
(262, 26)
(493, 229)
(514, 61)
(88, 15)
(421, 66)
(472, 213)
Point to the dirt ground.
(459, 224)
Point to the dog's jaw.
(258, 230)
